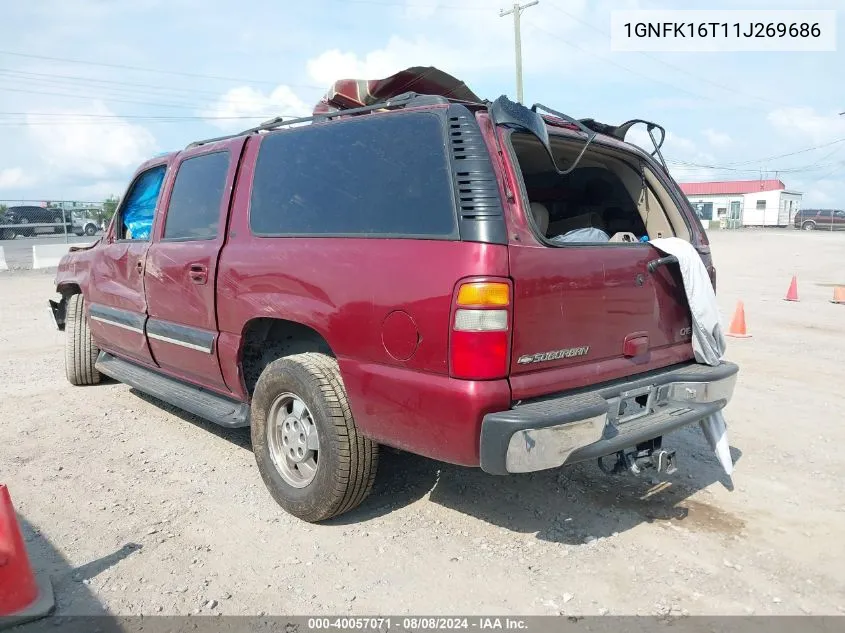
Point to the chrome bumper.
(552, 432)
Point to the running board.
(210, 406)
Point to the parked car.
(389, 274)
(820, 219)
(84, 224)
(31, 214)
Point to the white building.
(743, 202)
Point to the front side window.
(194, 209)
(380, 175)
(138, 210)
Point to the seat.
(541, 217)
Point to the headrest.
(541, 216)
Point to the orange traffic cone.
(838, 294)
(737, 328)
(792, 293)
(22, 597)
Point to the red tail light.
(480, 338)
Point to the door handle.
(139, 265)
(198, 274)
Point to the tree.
(109, 207)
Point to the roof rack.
(399, 101)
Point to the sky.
(89, 89)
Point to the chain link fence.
(21, 219)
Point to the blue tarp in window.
(141, 205)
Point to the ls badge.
(571, 352)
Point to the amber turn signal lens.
(484, 294)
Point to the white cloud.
(717, 139)
(245, 101)
(87, 145)
(15, 178)
(398, 54)
(808, 124)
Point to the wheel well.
(66, 290)
(265, 340)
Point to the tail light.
(480, 338)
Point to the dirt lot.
(136, 508)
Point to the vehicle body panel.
(180, 286)
(579, 304)
(384, 306)
(115, 289)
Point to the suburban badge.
(570, 352)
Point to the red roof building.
(730, 187)
(743, 202)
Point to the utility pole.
(517, 12)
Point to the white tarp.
(708, 340)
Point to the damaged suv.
(468, 280)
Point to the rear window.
(380, 176)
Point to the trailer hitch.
(639, 460)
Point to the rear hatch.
(588, 314)
(591, 310)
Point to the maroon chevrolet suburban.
(463, 279)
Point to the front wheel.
(80, 351)
(310, 454)
(90, 230)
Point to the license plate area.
(634, 404)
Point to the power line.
(139, 116)
(667, 64)
(618, 65)
(176, 73)
(19, 75)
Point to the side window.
(380, 175)
(194, 209)
(138, 209)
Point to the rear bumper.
(550, 432)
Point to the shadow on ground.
(567, 505)
(239, 437)
(72, 594)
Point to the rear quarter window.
(377, 176)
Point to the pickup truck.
(420, 268)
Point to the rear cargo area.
(590, 305)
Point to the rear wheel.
(808, 226)
(310, 455)
(80, 351)
(7, 234)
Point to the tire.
(808, 226)
(90, 230)
(346, 462)
(26, 232)
(7, 234)
(80, 351)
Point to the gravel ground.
(136, 508)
